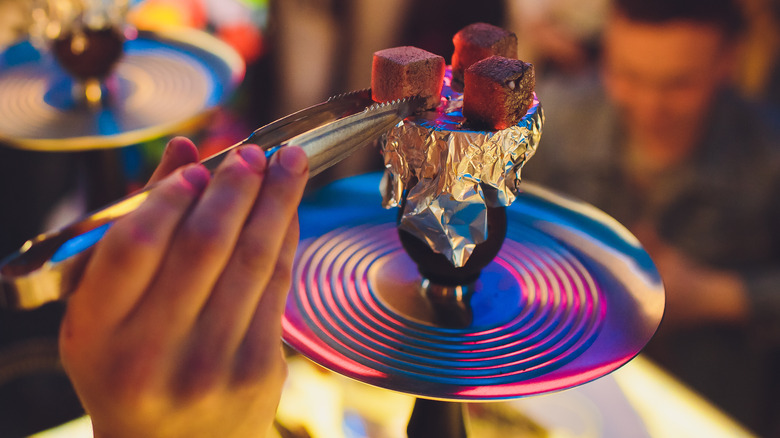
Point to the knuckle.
(201, 375)
(140, 229)
(173, 195)
(238, 173)
(263, 370)
(133, 375)
(237, 178)
(253, 254)
(128, 240)
(287, 256)
(142, 234)
(202, 237)
(282, 276)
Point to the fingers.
(226, 240)
(178, 152)
(222, 353)
(258, 311)
(168, 202)
(211, 266)
(260, 346)
(261, 261)
(203, 244)
(125, 261)
(274, 300)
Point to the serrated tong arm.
(48, 267)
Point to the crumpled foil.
(443, 175)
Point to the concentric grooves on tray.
(551, 310)
(155, 87)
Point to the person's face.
(663, 76)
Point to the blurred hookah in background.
(85, 37)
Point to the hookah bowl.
(86, 40)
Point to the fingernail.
(293, 159)
(253, 156)
(197, 176)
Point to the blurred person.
(175, 327)
(557, 35)
(324, 47)
(662, 143)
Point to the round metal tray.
(571, 297)
(165, 82)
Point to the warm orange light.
(157, 14)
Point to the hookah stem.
(434, 418)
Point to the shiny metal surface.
(46, 268)
(166, 81)
(571, 297)
(445, 174)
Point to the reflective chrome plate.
(571, 297)
(165, 82)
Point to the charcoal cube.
(498, 92)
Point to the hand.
(695, 293)
(174, 329)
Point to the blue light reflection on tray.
(18, 54)
(340, 316)
(165, 82)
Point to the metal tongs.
(48, 267)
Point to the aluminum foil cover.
(441, 173)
